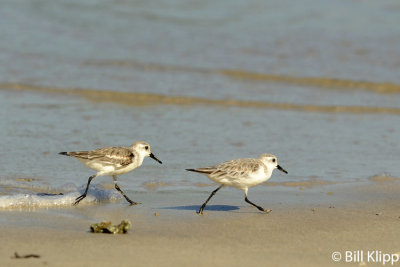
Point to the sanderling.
(113, 161)
(242, 174)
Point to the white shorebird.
(113, 161)
(242, 174)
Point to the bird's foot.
(132, 203)
(78, 199)
(267, 210)
(200, 212)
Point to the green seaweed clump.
(108, 228)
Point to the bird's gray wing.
(234, 168)
(113, 155)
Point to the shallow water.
(316, 148)
(202, 83)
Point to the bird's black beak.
(281, 169)
(155, 158)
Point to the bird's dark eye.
(146, 147)
(273, 160)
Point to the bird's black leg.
(78, 199)
(119, 189)
(258, 207)
(208, 199)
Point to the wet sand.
(291, 235)
(320, 82)
(149, 99)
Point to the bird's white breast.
(257, 177)
(249, 179)
(103, 168)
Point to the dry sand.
(291, 235)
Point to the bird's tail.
(64, 153)
(201, 170)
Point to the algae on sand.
(108, 228)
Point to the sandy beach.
(291, 235)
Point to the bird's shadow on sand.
(208, 208)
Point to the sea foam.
(23, 196)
